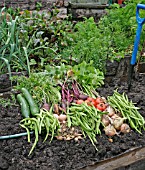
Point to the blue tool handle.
(136, 43)
(140, 22)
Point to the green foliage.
(40, 86)
(119, 25)
(87, 43)
(46, 86)
(86, 74)
(30, 40)
(112, 38)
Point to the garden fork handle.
(140, 22)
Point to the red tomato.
(79, 101)
(93, 103)
(99, 100)
(101, 106)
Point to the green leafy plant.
(86, 43)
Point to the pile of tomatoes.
(98, 103)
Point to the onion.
(46, 106)
(118, 122)
(110, 130)
(60, 137)
(56, 116)
(62, 117)
(125, 128)
(114, 116)
(110, 111)
(77, 138)
(105, 120)
(68, 137)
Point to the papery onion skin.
(62, 117)
(117, 122)
(125, 128)
(46, 106)
(105, 120)
(110, 130)
(56, 115)
(110, 111)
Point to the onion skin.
(110, 111)
(105, 120)
(114, 116)
(56, 116)
(125, 128)
(62, 117)
(59, 137)
(46, 106)
(118, 122)
(110, 130)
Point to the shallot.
(56, 116)
(125, 128)
(110, 130)
(60, 137)
(117, 122)
(62, 117)
(105, 120)
(46, 106)
(110, 110)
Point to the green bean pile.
(43, 121)
(121, 103)
(87, 118)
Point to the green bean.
(84, 125)
(28, 132)
(128, 110)
(36, 140)
(47, 124)
(68, 121)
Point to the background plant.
(30, 39)
(111, 38)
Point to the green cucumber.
(33, 106)
(25, 110)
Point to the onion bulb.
(59, 137)
(56, 116)
(46, 106)
(110, 110)
(105, 120)
(110, 130)
(118, 122)
(114, 116)
(62, 117)
(125, 128)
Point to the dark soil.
(68, 155)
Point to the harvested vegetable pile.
(68, 154)
(66, 106)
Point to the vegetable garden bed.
(58, 112)
(72, 154)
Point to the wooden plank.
(131, 158)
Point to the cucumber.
(25, 110)
(33, 106)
